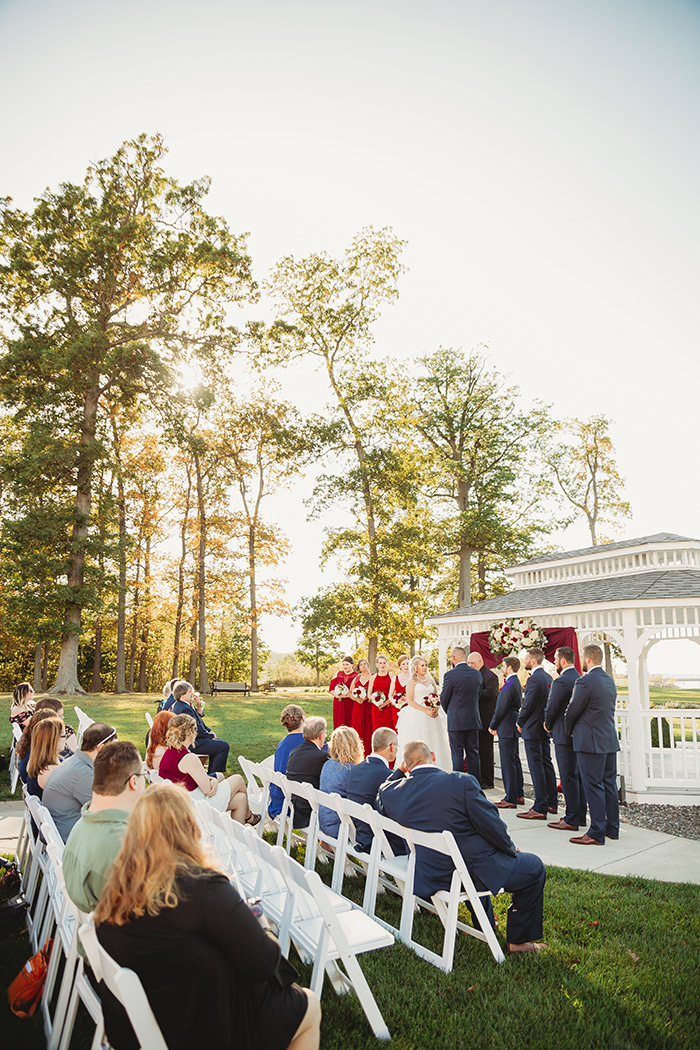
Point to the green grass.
(621, 971)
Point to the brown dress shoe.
(507, 805)
(586, 840)
(561, 825)
(532, 814)
(551, 809)
(526, 948)
(520, 801)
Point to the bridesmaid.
(343, 705)
(384, 716)
(361, 717)
(397, 692)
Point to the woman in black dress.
(213, 976)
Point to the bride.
(417, 722)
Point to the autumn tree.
(104, 286)
(318, 645)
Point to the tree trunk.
(145, 630)
(120, 670)
(96, 684)
(37, 667)
(204, 686)
(192, 673)
(608, 658)
(45, 669)
(134, 624)
(253, 611)
(481, 575)
(181, 580)
(67, 683)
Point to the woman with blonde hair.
(48, 738)
(213, 976)
(22, 707)
(422, 718)
(181, 766)
(156, 739)
(346, 750)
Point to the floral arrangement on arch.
(510, 636)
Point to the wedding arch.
(634, 593)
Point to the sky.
(540, 159)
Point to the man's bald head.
(416, 753)
(476, 661)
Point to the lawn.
(621, 971)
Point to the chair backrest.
(16, 732)
(126, 987)
(149, 718)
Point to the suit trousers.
(486, 758)
(511, 769)
(217, 751)
(465, 742)
(544, 782)
(598, 773)
(526, 884)
(572, 785)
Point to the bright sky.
(541, 159)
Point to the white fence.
(671, 747)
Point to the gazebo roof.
(604, 548)
(648, 586)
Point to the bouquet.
(432, 701)
(399, 701)
(359, 693)
(510, 636)
(379, 698)
(340, 691)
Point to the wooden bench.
(230, 687)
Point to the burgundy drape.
(556, 636)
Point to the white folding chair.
(124, 986)
(37, 887)
(258, 793)
(83, 722)
(330, 937)
(14, 761)
(149, 718)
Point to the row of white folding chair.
(84, 720)
(35, 886)
(259, 793)
(14, 761)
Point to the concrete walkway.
(650, 854)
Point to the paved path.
(651, 854)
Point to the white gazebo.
(635, 593)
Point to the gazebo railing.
(671, 746)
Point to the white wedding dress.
(414, 725)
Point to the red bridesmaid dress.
(361, 717)
(342, 706)
(386, 716)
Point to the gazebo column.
(634, 656)
(442, 654)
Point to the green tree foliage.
(105, 287)
(318, 645)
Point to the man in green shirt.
(118, 782)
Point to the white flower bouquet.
(379, 698)
(359, 694)
(340, 691)
(510, 636)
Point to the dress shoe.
(520, 801)
(551, 809)
(561, 825)
(505, 805)
(532, 814)
(525, 949)
(586, 840)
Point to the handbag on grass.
(24, 994)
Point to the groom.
(460, 701)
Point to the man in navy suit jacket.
(590, 718)
(531, 726)
(429, 799)
(207, 742)
(459, 699)
(559, 696)
(365, 779)
(503, 724)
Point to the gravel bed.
(683, 821)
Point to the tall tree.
(327, 310)
(102, 287)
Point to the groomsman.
(488, 695)
(459, 699)
(559, 697)
(531, 726)
(503, 724)
(590, 718)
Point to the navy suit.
(539, 758)
(487, 705)
(503, 721)
(206, 743)
(304, 766)
(432, 800)
(572, 786)
(363, 783)
(459, 699)
(590, 718)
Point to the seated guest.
(304, 765)
(207, 742)
(156, 739)
(292, 718)
(432, 800)
(346, 751)
(22, 707)
(168, 697)
(43, 757)
(118, 780)
(24, 744)
(50, 703)
(70, 786)
(179, 765)
(365, 779)
(213, 976)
